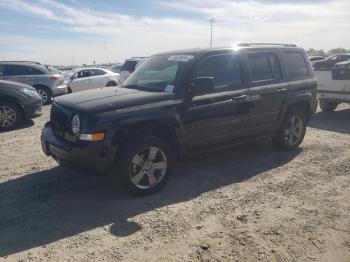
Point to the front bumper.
(59, 90)
(81, 155)
(33, 108)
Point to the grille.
(59, 120)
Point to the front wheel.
(292, 130)
(145, 165)
(328, 106)
(10, 115)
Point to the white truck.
(333, 87)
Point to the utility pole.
(211, 20)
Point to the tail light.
(131, 71)
(55, 77)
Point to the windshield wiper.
(137, 87)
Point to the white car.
(91, 78)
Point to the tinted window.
(97, 72)
(276, 67)
(225, 69)
(2, 70)
(295, 65)
(128, 66)
(260, 67)
(17, 70)
(35, 71)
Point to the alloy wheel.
(148, 167)
(7, 116)
(294, 130)
(43, 95)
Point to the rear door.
(267, 89)
(219, 118)
(98, 78)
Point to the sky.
(74, 32)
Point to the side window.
(98, 72)
(2, 70)
(295, 65)
(18, 70)
(34, 71)
(260, 67)
(276, 66)
(225, 69)
(83, 74)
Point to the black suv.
(182, 103)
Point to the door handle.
(281, 90)
(240, 97)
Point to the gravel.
(249, 203)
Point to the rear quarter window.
(295, 64)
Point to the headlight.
(76, 124)
(30, 92)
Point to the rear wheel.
(292, 130)
(328, 106)
(10, 115)
(145, 165)
(45, 95)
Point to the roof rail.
(13, 61)
(277, 44)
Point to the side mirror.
(202, 85)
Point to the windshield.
(159, 73)
(54, 71)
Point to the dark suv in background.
(183, 103)
(46, 80)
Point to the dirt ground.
(244, 204)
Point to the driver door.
(81, 81)
(219, 118)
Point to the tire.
(145, 161)
(70, 90)
(292, 130)
(11, 115)
(44, 94)
(111, 83)
(328, 106)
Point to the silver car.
(47, 81)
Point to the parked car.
(334, 86)
(18, 102)
(341, 71)
(316, 58)
(115, 68)
(90, 78)
(183, 103)
(129, 67)
(44, 79)
(329, 62)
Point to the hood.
(108, 99)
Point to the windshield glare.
(158, 73)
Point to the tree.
(338, 50)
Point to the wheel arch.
(15, 101)
(44, 87)
(157, 128)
